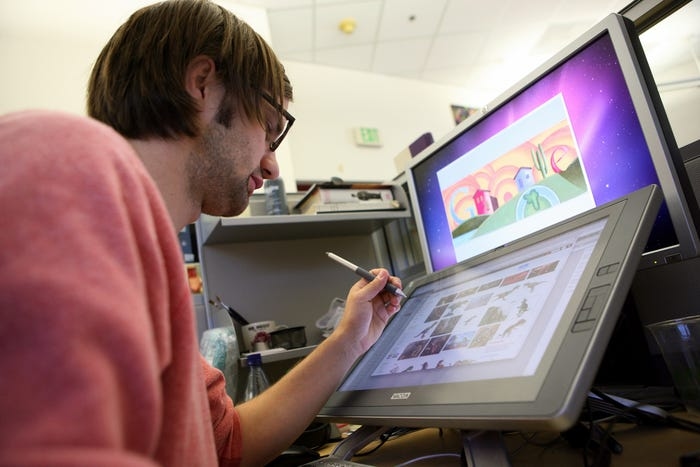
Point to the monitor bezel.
(666, 158)
(574, 362)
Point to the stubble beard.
(213, 178)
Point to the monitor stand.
(484, 449)
(479, 448)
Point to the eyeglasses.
(288, 121)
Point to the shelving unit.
(295, 226)
(260, 227)
(275, 267)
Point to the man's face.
(231, 161)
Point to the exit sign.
(365, 136)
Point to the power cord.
(390, 434)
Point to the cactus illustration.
(539, 161)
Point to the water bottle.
(257, 380)
(275, 197)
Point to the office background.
(47, 49)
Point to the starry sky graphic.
(612, 144)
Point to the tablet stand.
(479, 448)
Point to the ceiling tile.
(402, 19)
(512, 41)
(416, 75)
(455, 49)
(591, 11)
(456, 42)
(557, 35)
(470, 15)
(400, 56)
(521, 13)
(357, 57)
(291, 29)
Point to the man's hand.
(367, 310)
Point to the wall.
(330, 102)
(48, 47)
(47, 60)
(47, 63)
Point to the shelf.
(281, 356)
(255, 228)
(290, 227)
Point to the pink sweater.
(99, 361)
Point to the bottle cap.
(254, 359)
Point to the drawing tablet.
(510, 339)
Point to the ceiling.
(467, 43)
(480, 46)
(483, 46)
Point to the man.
(98, 353)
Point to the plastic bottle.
(275, 197)
(257, 380)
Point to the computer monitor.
(508, 340)
(582, 129)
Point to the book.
(347, 197)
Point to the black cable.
(384, 437)
(646, 417)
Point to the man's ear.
(200, 76)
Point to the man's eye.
(271, 128)
(274, 127)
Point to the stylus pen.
(365, 274)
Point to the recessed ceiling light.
(347, 25)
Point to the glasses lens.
(285, 123)
(281, 130)
(275, 144)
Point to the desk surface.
(642, 446)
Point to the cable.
(428, 457)
(528, 439)
(388, 435)
(645, 413)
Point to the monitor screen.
(581, 130)
(507, 340)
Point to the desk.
(642, 446)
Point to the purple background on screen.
(610, 138)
